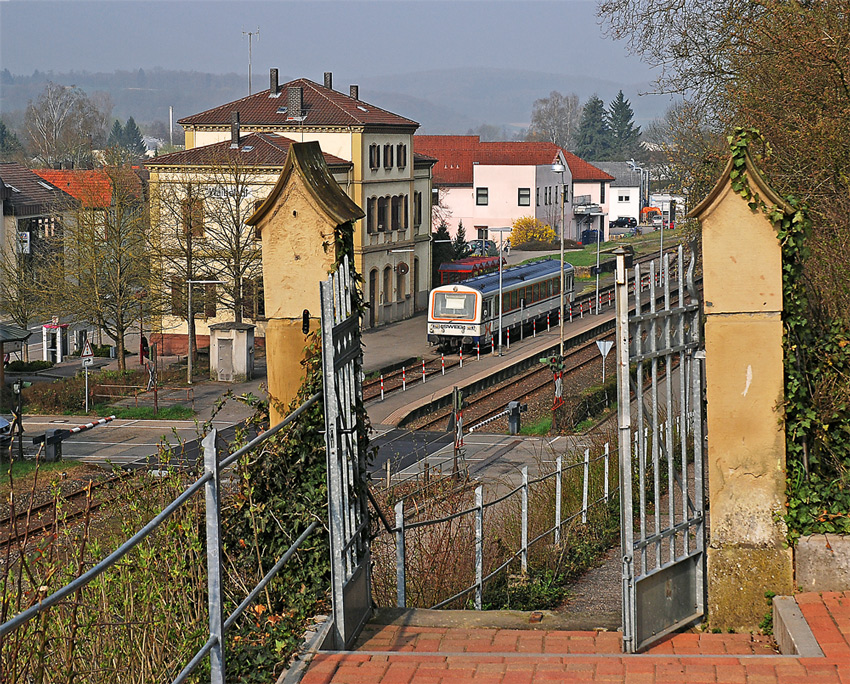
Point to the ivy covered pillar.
(742, 265)
(305, 224)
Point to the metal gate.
(659, 383)
(347, 503)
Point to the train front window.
(454, 305)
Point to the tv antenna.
(250, 35)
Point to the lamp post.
(558, 167)
(192, 323)
(501, 232)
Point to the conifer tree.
(116, 135)
(132, 138)
(625, 136)
(459, 246)
(442, 250)
(593, 138)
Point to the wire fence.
(446, 560)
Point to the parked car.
(5, 432)
(482, 248)
(623, 222)
(657, 221)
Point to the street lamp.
(501, 232)
(635, 167)
(191, 322)
(558, 167)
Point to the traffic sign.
(88, 361)
(87, 352)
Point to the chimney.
(273, 82)
(234, 130)
(294, 101)
(354, 91)
(329, 80)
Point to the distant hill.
(443, 101)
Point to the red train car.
(455, 271)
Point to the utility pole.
(251, 35)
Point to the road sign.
(88, 361)
(87, 352)
(604, 346)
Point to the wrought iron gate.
(347, 503)
(661, 459)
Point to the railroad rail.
(39, 518)
(491, 401)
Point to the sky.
(353, 39)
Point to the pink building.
(488, 185)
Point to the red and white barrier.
(403, 379)
(382, 387)
(89, 426)
(423, 371)
(443, 363)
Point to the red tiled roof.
(456, 155)
(322, 106)
(257, 149)
(92, 187)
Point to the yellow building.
(385, 178)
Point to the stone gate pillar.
(302, 223)
(742, 265)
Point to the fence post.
(479, 546)
(423, 371)
(607, 459)
(559, 469)
(213, 520)
(400, 579)
(524, 556)
(586, 485)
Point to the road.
(122, 442)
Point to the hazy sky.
(352, 39)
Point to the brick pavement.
(392, 654)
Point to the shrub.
(528, 229)
(28, 366)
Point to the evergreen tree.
(132, 139)
(116, 135)
(442, 251)
(459, 247)
(10, 146)
(625, 136)
(593, 138)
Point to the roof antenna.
(250, 35)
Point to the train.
(467, 313)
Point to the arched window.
(388, 285)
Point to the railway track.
(488, 403)
(40, 518)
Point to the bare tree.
(64, 125)
(555, 119)
(106, 265)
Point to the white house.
(625, 200)
(486, 185)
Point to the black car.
(623, 222)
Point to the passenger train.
(468, 312)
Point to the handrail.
(106, 563)
(210, 478)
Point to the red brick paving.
(390, 654)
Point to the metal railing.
(402, 527)
(209, 481)
(140, 391)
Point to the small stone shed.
(231, 352)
